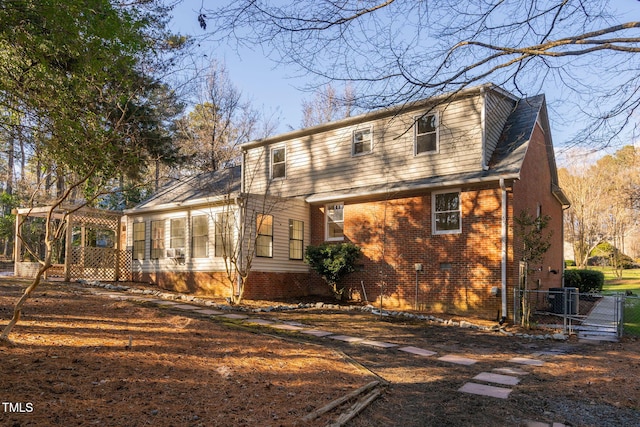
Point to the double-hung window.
(278, 163)
(334, 218)
(199, 236)
(178, 234)
(264, 232)
(157, 239)
(447, 216)
(138, 240)
(296, 239)
(362, 141)
(426, 134)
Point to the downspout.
(504, 251)
(483, 126)
(240, 202)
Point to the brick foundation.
(260, 285)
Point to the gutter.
(504, 252)
(385, 190)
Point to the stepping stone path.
(418, 351)
(317, 332)
(187, 307)
(489, 384)
(345, 338)
(458, 360)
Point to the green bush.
(333, 262)
(585, 280)
(569, 263)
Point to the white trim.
(326, 222)
(271, 163)
(353, 140)
(415, 133)
(433, 211)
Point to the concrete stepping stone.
(418, 351)
(485, 390)
(210, 312)
(459, 360)
(235, 316)
(163, 302)
(259, 321)
(529, 423)
(526, 361)
(187, 307)
(510, 371)
(346, 338)
(496, 378)
(119, 296)
(317, 332)
(380, 344)
(302, 325)
(285, 327)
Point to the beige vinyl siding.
(324, 162)
(210, 263)
(282, 212)
(498, 107)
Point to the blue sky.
(273, 87)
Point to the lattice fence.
(104, 264)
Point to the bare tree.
(602, 202)
(220, 121)
(326, 106)
(582, 219)
(244, 229)
(396, 51)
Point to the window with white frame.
(334, 218)
(447, 216)
(278, 163)
(199, 236)
(157, 239)
(426, 134)
(362, 141)
(296, 239)
(138, 240)
(264, 235)
(178, 233)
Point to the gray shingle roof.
(203, 186)
(512, 145)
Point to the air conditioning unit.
(175, 253)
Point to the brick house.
(428, 190)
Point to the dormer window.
(361, 141)
(278, 163)
(426, 134)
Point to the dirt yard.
(82, 359)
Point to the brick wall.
(459, 270)
(533, 189)
(259, 285)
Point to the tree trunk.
(17, 310)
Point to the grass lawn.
(630, 281)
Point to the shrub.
(333, 262)
(569, 263)
(572, 278)
(585, 280)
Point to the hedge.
(585, 280)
